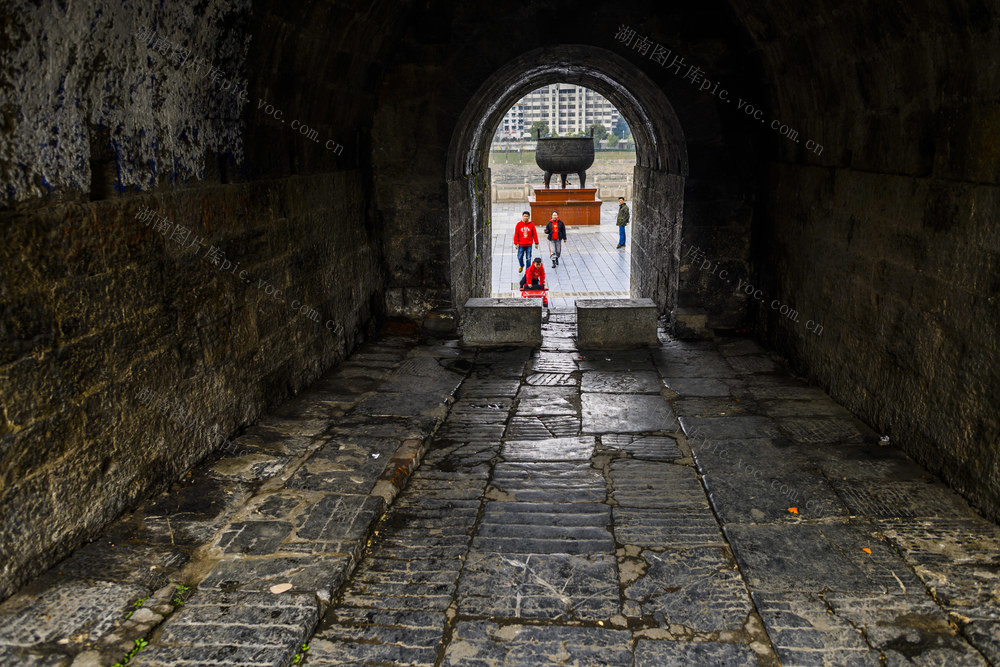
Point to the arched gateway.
(659, 177)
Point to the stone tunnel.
(244, 234)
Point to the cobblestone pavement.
(689, 504)
(591, 267)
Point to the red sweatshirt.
(525, 234)
(534, 271)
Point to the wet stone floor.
(422, 504)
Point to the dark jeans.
(534, 283)
(621, 235)
(524, 255)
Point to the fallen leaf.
(793, 510)
(280, 588)
(866, 550)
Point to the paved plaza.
(590, 266)
(424, 504)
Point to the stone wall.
(104, 314)
(656, 229)
(131, 346)
(886, 241)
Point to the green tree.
(600, 133)
(539, 129)
(621, 128)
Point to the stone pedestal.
(490, 322)
(609, 324)
(576, 206)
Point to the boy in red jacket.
(524, 235)
(534, 277)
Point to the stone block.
(488, 322)
(615, 323)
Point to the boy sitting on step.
(534, 277)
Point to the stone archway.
(659, 177)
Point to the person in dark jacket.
(623, 216)
(556, 231)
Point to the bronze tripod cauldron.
(565, 155)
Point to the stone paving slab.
(653, 484)
(579, 448)
(321, 575)
(625, 413)
(395, 404)
(489, 387)
(629, 382)
(985, 636)
(615, 361)
(957, 559)
(824, 407)
(689, 387)
(543, 427)
(739, 346)
(906, 629)
(565, 482)
(730, 427)
(551, 403)
(879, 499)
(657, 653)
(401, 428)
(243, 628)
(650, 447)
(678, 528)
(829, 429)
(470, 456)
(473, 433)
(699, 590)
(532, 538)
(10, 655)
(714, 407)
(867, 461)
(77, 611)
(371, 650)
(748, 495)
(545, 513)
(758, 480)
(694, 367)
(783, 389)
(137, 551)
(213, 654)
(816, 557)
(552, 380)
(804, 631)
(555, 362)
(752, 363)
(554, 586)
(488, 644)
(837, 628)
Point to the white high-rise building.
(566, 108)
(512, 125)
